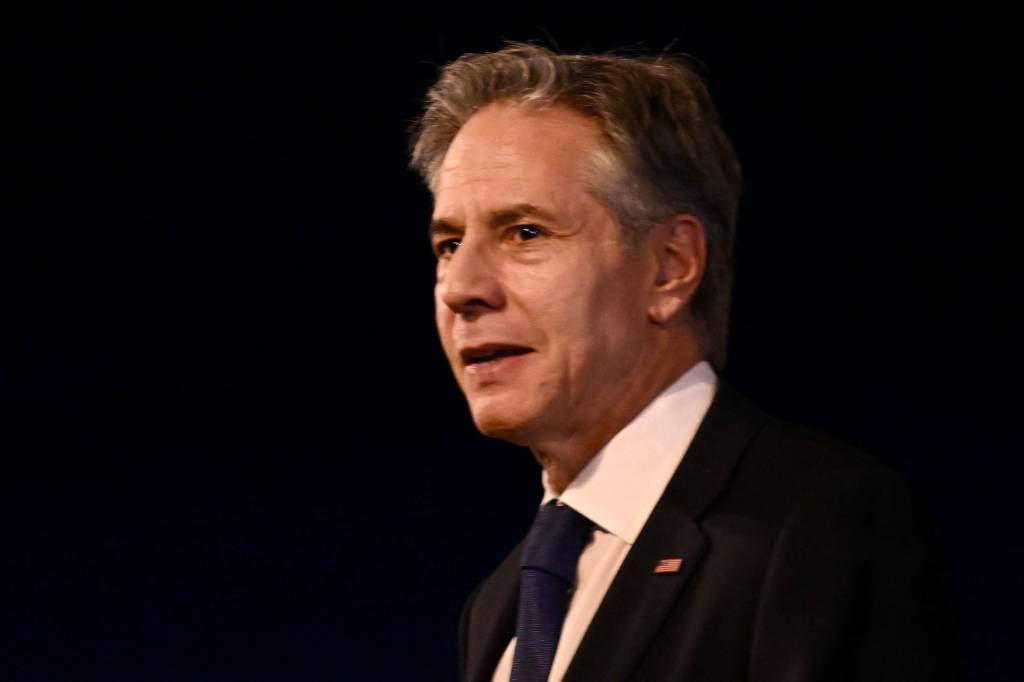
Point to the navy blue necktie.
(552, 548)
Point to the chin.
(507, 423)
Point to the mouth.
(480, 355)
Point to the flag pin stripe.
(669, 566)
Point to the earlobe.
(681, 253)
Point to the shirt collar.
(619, 487)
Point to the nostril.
(472, 308)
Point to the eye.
(447, 247)
(527, 232)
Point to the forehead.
(517, 149)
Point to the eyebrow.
(501, 216)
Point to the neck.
(565, 456)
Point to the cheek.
(608, 318)
(443, 317)
(580, 303)
(572, 319)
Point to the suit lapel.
(493, 618)
(636, 603)
(639, 599)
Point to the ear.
(680, 251)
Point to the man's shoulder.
(786, 466)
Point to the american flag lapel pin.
(669, 566)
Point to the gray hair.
(663, 151)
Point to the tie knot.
(556, 539)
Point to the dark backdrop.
(236, 451)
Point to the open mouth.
(478, 356)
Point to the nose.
(469, 282)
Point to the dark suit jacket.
(803, 560)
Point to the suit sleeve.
(855, 589)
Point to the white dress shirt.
(618, 490)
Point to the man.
(584, 215)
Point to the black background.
(236, 451)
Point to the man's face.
(541, 311)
